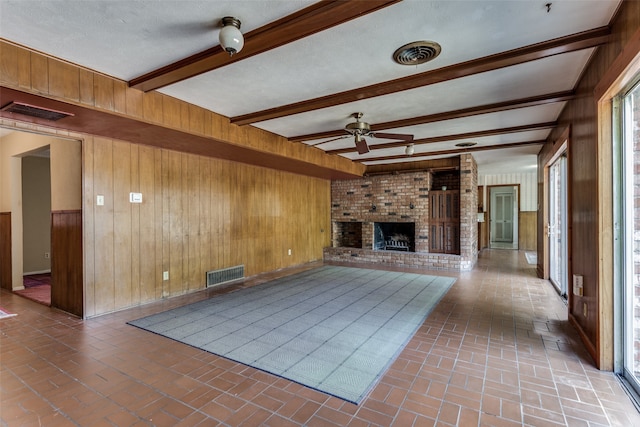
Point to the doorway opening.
(62, 226)
(36, 224)
(503, 217)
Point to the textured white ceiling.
(126, 39)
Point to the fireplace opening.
(394, 236)
(348, 234)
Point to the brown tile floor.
(496, 351)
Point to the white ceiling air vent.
(416, 53)
(33, 111)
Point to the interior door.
(557, 227)
(502, 215)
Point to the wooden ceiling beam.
(570, 43)
(310, 20)
(418, 156)
(449, 115)
(454, 137)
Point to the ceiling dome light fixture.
(230, 37)
(409, 150)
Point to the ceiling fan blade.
(400, 136)
(330, 140)
(361, 146)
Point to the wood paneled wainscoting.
(5, 250)
(528, 226)
(66, 261)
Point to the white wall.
(528, 187)
(36, 214)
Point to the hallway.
(497, 350)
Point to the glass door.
(557, 227)
(630, 116)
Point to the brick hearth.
(402, 197)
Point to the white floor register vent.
(225, 275)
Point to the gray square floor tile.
(334, 329)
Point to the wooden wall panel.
(66, 270)
(239, 214)
(5, 251)
(197, 214)
(88, 206)
(527, 230)
(175, 216)
(136, 255)
(147, 266)
(122, 216)
(9, 65)
(86, 85)
(171, 112)
(588, 193)
(164, 220)
(194, 275)
(64, 80)
(102, 236)
(157, 224)
(205, 215)
(40, 73)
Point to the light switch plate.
(135, 197)
(100, 200)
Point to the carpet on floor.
(334, 329)
(33, 280)
(40, 294)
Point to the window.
(627, 114)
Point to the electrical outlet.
(165, 275)
(578, 284)
(584, 309)
(47, 255)
(289, 251)
(100, 200)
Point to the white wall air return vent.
(225, 275)
(33, 111)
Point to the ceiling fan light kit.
(230, 37)
(361, 144)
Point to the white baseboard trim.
(29, 273)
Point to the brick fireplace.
(385, 219)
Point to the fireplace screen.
(394, 236)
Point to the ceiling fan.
(360, 129)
